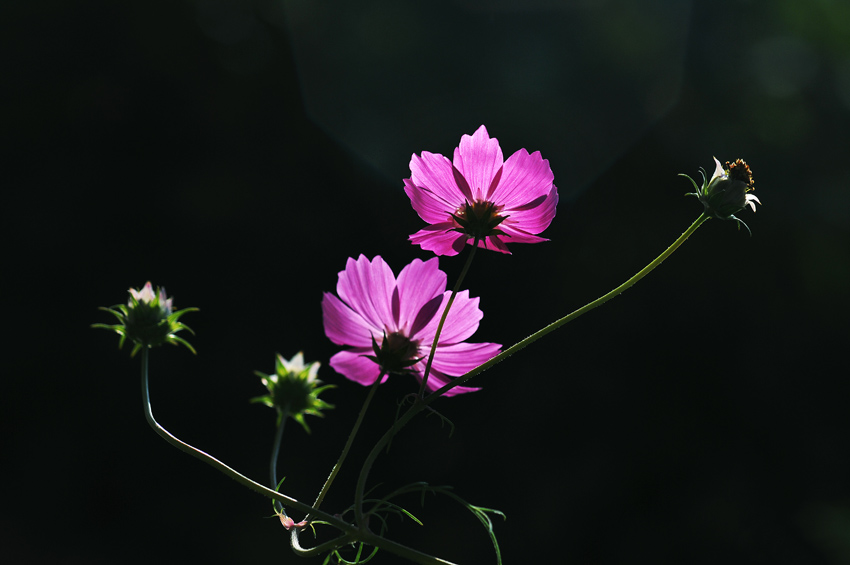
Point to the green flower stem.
(343, 540)
(283, 415)
(348, 443)
(572, 316)
(370, 538)
(443, 318)
(233, 474)
(367, 538)
(350, 532)
(421, 405)
(347, 448)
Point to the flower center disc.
(398, 353)
(479, 219)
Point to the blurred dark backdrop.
(238, 152)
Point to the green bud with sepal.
(727, 192)
(294, 389)
(148, 320)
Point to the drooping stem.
(444, 316)
(230, 472)
(350, 532)
(419, 406)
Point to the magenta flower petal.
(525, 178)
(429, 207)
(344, 326)
(435, 172)
(536, 219)
(478, 158)
(480, 196)
(440, 239)
(417, 284)
(513, 235)
(401, 316)
(496, 244)
(367, 288)
(437, 380)
(461, 322)
(460, 358)
(354, 365)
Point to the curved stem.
(331, 545)
(443, 318)
(230, 472)
(361, 533)
(367, 538)
(350, 532)
(419, 406)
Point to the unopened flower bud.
(294, 389)
(148, 320)
(727, 192)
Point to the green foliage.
(382, 508)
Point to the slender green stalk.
(367, 538)
(357, 503)
(230, 472)
(278, 437)
(331, 545)
(350, 532)
(370, 538)
(419, 406)
(348, 443)
(283, 415)
(573, 315)
(443, 318)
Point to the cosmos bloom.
(390, 324)
(480, 195)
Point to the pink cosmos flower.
(480, 195)
(390, 324)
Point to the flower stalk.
(573, 315)
(444, 316)
(347, 448)
(278, 439)
(479, 199)
(419, 406)
(350, 532)
(229, 471)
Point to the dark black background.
(238, 152)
